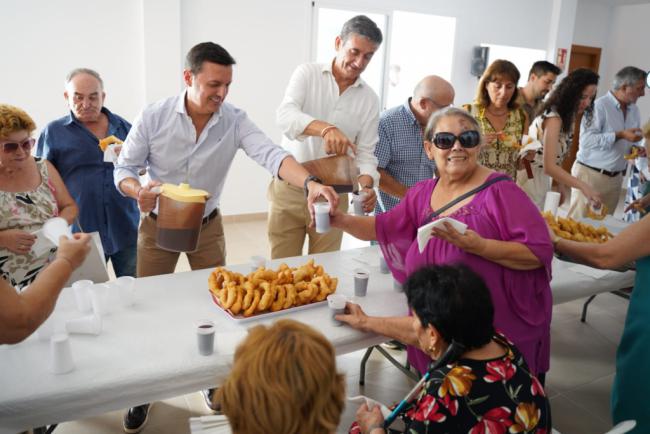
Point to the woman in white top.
(553, 126)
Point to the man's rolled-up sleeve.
(258, 146)
(134, 153)
(290, 116)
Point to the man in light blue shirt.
(400, 150)
(605, 138)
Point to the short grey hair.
(72, 74)
(454, 112)
(363, 26)
(630, 75)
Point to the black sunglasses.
(467, 139)
(9, 147)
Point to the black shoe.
(208, 397)
(136, 418)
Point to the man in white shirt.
(605, 138)
(192, 138)
(327, 110)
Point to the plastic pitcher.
(180, 215)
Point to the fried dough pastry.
(570, 229)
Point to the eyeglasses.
(26, 145)
(467, 139)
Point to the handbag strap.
(463, 196)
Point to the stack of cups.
(205, 334)
(552, 202)
(361, 277)
(357, 202)
(322, 211)
(81, 290)
(60, 354)
(336, 303)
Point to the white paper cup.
(257, 262)
(552, 202)
(81, 289)
(383, 266)
(205, 337)
(357, 202)
(89, 325)
(361, 277)
(54, 228)
(336, 303)
(322, 211)
(126, 290)
(46, 330)
(99, 295)
(60, 354)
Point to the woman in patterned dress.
(502, 122)
(31, 192)
(553, 126)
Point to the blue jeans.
(124, 261)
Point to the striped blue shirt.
(400, 151)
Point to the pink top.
(522, 299)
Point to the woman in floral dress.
(502, 123)
(486, 387)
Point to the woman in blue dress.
(632, 382)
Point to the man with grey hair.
(71, 144)
(605, 138)
(402, 160)
(327, 110)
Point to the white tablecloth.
(149, 351)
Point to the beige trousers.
(289, 222)
(153, 261)
(609, 188)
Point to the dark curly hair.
(565, 98)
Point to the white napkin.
(110, 156)
(424, 233)
(385, 411)
(534, 145)
(42, 244)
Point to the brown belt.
(205, 220)
(603, 171)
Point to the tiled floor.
(579, 383)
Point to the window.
(523, 58)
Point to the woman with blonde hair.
(502, 122)
(31, 192)
(284, 380)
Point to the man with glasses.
(400, 150)
(71, 144)
(327, 110)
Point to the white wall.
(593, 28)
(138, 47)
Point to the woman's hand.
(74, 250)
(370, 201)
(17, 241)
(370, 420)
(470, 241)
(591, 194)
(355, 317)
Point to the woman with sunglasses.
(506, 242)
(502, 122)
(477, 381)
(31, 192)
(553, 126)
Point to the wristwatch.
(309, 179)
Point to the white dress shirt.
(598, 145)
(313, 94)
(163, 140)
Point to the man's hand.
(355, 317)
(74, 250)
(370, 200)
(147, 198)
(631, 134)
(336, 143)
(316, 190)
(17, 241)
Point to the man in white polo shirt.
(327, 110)
(605, 138)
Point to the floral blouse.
(503, 153)
(494, 396)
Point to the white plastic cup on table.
(205, 335)
(257, 262)
(126, 290)
(336, 303)
(89, 325)
(383, 265)
(60, 354)
(99, 297)
(55, 227)
(552, 202)
(398, 286)
(361, 277)
(357, 202)
(322, 212)
(81, 289)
